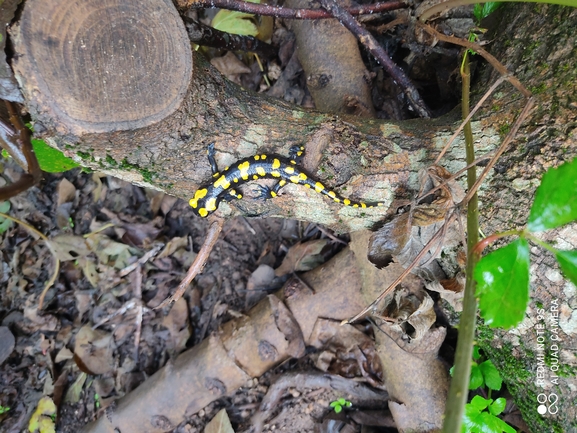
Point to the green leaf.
(476, 379)
(555, 201)
(497, 406)
(480, 403)
(491, 375)
(5, 223)
(483, 10)
(476, 353)
(235, 22)
(503, 284)
(568, 263)
(338, 408)
(50, 159)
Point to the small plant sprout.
(3, 409)
(339, 404)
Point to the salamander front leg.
(267, 193)
(232, 195)
(296, 154)
(211, 159)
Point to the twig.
(54, 275)
(368, 40)
(198, 264)
(141, 261)
(283, 12)
(202, 34)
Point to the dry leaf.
(41, 420)
(219, 424)
(73, 393)
(389, 240)
(302, 257)
(178, 325)
(65, 191)
(93, 351)
(68, 247)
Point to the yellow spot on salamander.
(282, 183)
(235, 180)
(338, 200)
(254, 176)
(355, 205)
(275, 164)
(199, 194)
(211, 204)
(307, 185)
(319, 187)
(256, 157)
(363, 205)
(346, 202)
(275, 173)
(202, 212)
(289, 170)
(263, 156)
(222, 182)
(261, 171)
(293, 162)
(331, 194)
(244, 170)
(294, 179)
(380, 204)
(273, 194)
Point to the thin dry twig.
(199, 262)
(371, 44)
(42, 236)
(283, 12)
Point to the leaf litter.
(122, 254)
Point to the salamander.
(260, 166)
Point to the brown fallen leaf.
(302, 257)
(93, 351)
(219, 424)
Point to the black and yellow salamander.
(262, 166)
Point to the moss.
(84, 155)
(111, 161)
(146, 174)
(520, 381)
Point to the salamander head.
(203, 205)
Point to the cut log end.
(102, 65)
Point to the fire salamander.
(262, 166)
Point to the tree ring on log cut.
(102, 65)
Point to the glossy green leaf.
(480, 403)
(491, 375)
(555, 201)
(476, 378)
(568, 263)
(476, 353)
(498, 406)
(483, 10)
(50, 159)
(503, 284)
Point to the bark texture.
(539, 43)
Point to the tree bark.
(377, 160)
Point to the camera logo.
(547, 404)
